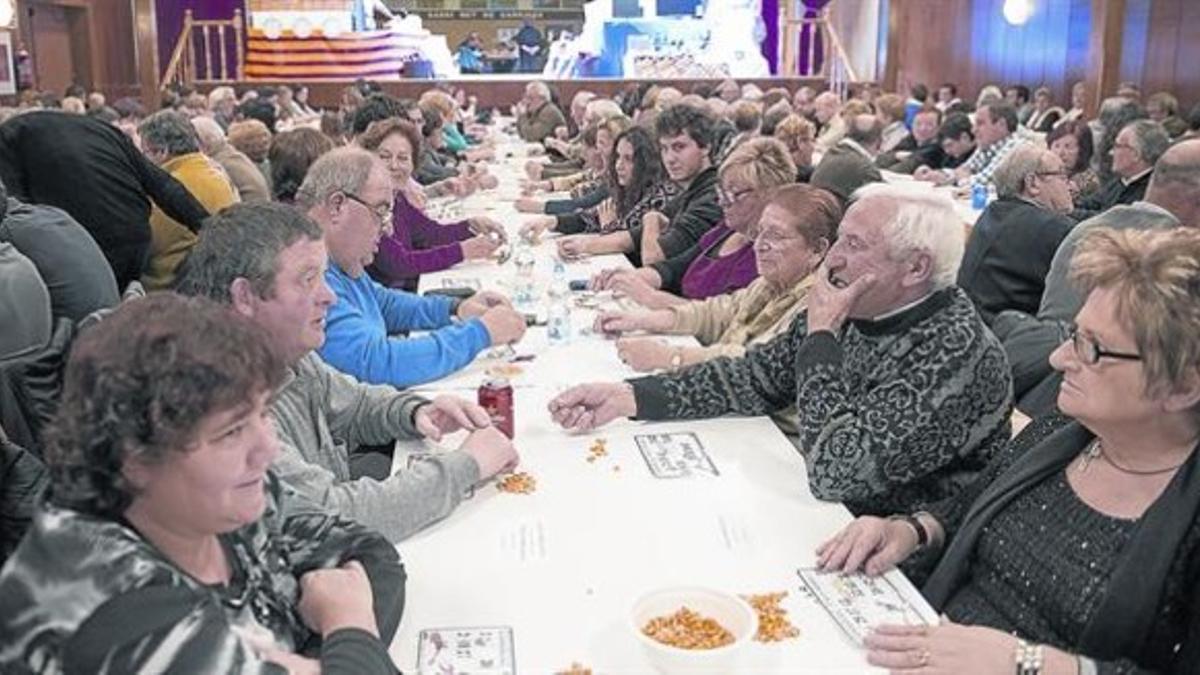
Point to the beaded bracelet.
(1028, 658)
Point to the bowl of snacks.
(692, 629)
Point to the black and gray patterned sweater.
(88, 594)
(892, 414)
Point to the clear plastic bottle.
(558, 319)
(523, 260)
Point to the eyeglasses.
(1053, 174)
(382, 211)
(726, 199)
(1089, 352)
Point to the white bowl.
(727, 609)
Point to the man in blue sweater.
(348, 193)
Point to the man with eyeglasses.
(1010, 247)
(900, 389)
(1172, 199)
(348, 192)
(1138, 146)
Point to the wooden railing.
(828, 61)
(195, 59)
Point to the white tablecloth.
(563, 566)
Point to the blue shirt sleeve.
(357, 339)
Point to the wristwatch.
(922, 533)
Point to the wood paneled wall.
(101, 38)
(969, 42)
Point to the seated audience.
(889, 108)
(587, 188)
(1115, 113)
(246, 179)
(723, 260)
(799, 136)
(1078, 101)
(163, 542)
(537, 116)
(417, 243)
(1163, 107)
(1107, 493)
(1137, 148)
(638, 184)
(1045, 114)
(1017, 96)
(947, 97)
(68, 260)
(25, 309)
(1072, 142)
(170, 141)
(348, 192)
(252, 138)
(899, 386)
(110, 187)
(995, 133)
(851, 163)
(22, 479)
(1172, 198)
(797, 227)
(684, 134)
(830, 125)
(290, 155)
(920, 146)
(266, 263)
(1011, 245)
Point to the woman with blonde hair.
(723, 259)
(1078, 549)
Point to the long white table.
(563, 566)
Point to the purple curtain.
(770, 43)
(809, 35)
(169, 16)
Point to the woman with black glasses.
(1079, 549)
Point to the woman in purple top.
(417, 243)
(723, 260)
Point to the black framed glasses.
(382, 211)
(1089, 352)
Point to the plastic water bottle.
(558, 319)
(559, 277)
(524, 260)
(979, 196)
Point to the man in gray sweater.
(267, 261)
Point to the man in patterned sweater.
(902, 393)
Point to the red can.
(496, 397)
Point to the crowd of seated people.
(248, 264)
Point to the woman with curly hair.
(163, 541)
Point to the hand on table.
(633, 285)
(606, 213)
(447, 414)
(828, 305)
(479, 247)
(947, 649)
(294, 664)
(488, 226)
(611, 323)
(459, 186)
(534, 227)
(486, 181)
(338, 597)
(574, 247)
(480, 303)
(873, 545)
(644, 354)
(534, 169)
(530, 205)
(588, 406)
(492, 451)
(504, 325)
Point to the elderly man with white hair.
(249, 182)
(902, 393)
(537, 116)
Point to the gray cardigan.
(322, 415)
